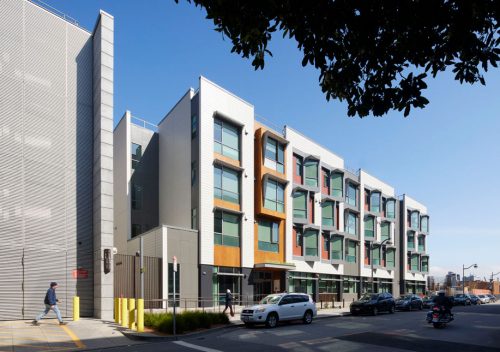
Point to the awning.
(281, 266)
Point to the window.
(326, 243)
(414, 262)
(421, 243)
(351, 195)
(351, 225)
(171, 284)
(351, 284)
(369, 226)
(193, 173)
(194, 126)
(351, 252)
(410, 238)
(327, 213)
(424, 224)
(136, 155)
(414, 220)
(226, 139)
(299, 167)
(136, 197)
(274, 155)
(311, 173)
(385, 231)
(226, 229)
(194, 219)
(376, 255)
(375, 202)
(136, 229)
(390, 258)
(300, 204)
(311, 242)
(268, 236)
(390, 208)
(226, 184)
(337, 245)
(298, 237)
(337, 180)
(274, 196)
(425, 264)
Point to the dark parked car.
(474, 300)
(462, 300)
(373, 304)
(409, 302)
(428, 301)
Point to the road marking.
(75, 338)
(196, 347)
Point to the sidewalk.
(84, 334)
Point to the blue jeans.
(47, 310)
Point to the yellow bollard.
(131, 314)
(140, 315)
(120, 303)
(76, 308)
(124, 313)
(117, 310)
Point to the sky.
(446, 156)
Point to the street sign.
(175, 263)
(80, 273)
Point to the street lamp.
(463, 275)
(372, 247)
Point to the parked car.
(484, 299)
(409, 302)
(374, 303)
(280, 307)
(428, 301)
(492, 298)
(462, 300)
(475, 300)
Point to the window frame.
(375, 195)
(334, 191)
(347, 224)
(137, 197)
(393, 202)
(225, 125)
(305, 195)
(372, 218)
(279, 186)
(311, 163)
(327, 204)
(385, 224)
(273, 244)
(337, 239)
(307, 234)
(224, 191)
(222, 235)
(275, 163)
(349, 199)
(349, 257)
(136, 159)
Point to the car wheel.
(436, 325)
(392, 310)
(308, 317)
(374, 311)
(272, 320)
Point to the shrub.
(185, 321)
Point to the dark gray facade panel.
(206, 282)
(46, 152)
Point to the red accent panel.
(324, 185)
(297, 250)
(310, 209)
(324, 254)
(296, 178)
(367, 201)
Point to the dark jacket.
(229, 297)
(50, 297)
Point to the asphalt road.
(475, 328)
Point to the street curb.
(151, 337)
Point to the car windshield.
(271, 299)
(405, 297)
(459, 296)
(371, 297)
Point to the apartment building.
(273, 210)
(56, 147)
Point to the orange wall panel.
(227, 256)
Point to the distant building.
(452, 280)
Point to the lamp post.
(372, 247)
(463, 275)
(491, 280)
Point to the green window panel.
(375, 202)
(300, 204)
(375, 255)
(414, 220)
(226, 184)
(226, 229)
(226, 139)
(390, 260)
(274, 196)
(385, 231)
(268, 236)
(336, 184)
(311, 167)
(424, 224)
(351, 252)
(311, 243)
(274, 155)
(298, 166)
(351, 225)
(370, 226)
(390, 208)
(337, 246)
(425, 264)
(421, 243)
(351, 195)
(411, 240)
(414, 262)
(327, 213)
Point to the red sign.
(80, 274)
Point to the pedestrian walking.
(229, 302)
(50, 302)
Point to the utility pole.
(463, 275)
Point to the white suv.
(280, 307)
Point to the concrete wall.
(103, 162)
(121, 177)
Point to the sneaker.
(34, 322)
(63, 323)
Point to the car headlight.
(260, 310)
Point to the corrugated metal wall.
(46, 149)
(127, 278)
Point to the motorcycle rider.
(443, 301)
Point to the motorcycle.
(438, 317)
